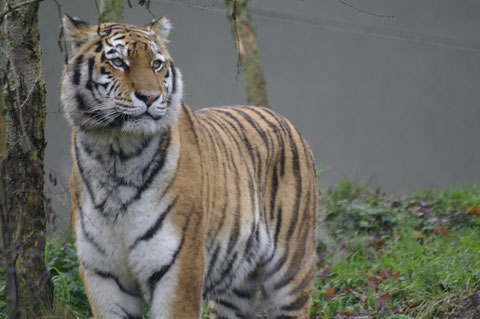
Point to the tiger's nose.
(148, 99)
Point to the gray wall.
(393, 101)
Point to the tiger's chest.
(122, 205)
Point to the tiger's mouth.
(123, 118)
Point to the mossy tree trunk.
(22, 145)
(111, 10)
(244, 36)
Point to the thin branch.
(19, 103)
(11, 8)
(237, 38)
(32, 89)
(194, 5)
(61, 36)
(364, 11)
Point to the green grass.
(419, 255)
(379, 257)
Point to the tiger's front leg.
(108, 298)
(173, 286)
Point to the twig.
(364, 11)
(194, 5)
(235, 32)
(19, 103)
(61, 36)
(11, 8)
(31, 89)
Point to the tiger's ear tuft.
(161, 27)
(76, 31)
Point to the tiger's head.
(120, 77)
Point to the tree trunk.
(244, 36)
(111, 10)
(23, 214)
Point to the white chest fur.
(124, 204)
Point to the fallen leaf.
(413, 305)
(380, 302)
(395, 274)
(330, 293)
(440, 230)
(378, 243)
(376, 280)
(358, 295)
(418, 236)
(420, 214)
(474, 210)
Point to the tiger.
(176, 212)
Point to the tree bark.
(23, 213)
(245, 40)
(111, 10)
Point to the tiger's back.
(174, 207)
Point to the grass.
(417, 257)
(379, 257)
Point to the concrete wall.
(393, 101)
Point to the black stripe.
(227, 304)
(154, 168)
(211, 263)
(250, 241)
(242, 293)
(240, 134)
(82, 104)
(285, 281)
(273, 194)
(297, 304)
(138, 152)
(235, 231)
(158, 224)
(98, 206)
(225, 273)
(306, 281)
(255, 125)
(158, 275)
(298, 184)
(281, 124)
(104, 71)
(77, 65)
(87, 235)
(107, 275)
(275, 236)
(278, 265)
(99, 47)
(127, 314)
(112, 87)
(174, 78)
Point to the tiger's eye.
(156, 64)
(117, 62)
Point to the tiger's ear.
(76, 31)
(161, 27)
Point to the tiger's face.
(120, 77)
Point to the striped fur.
(172, 208)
